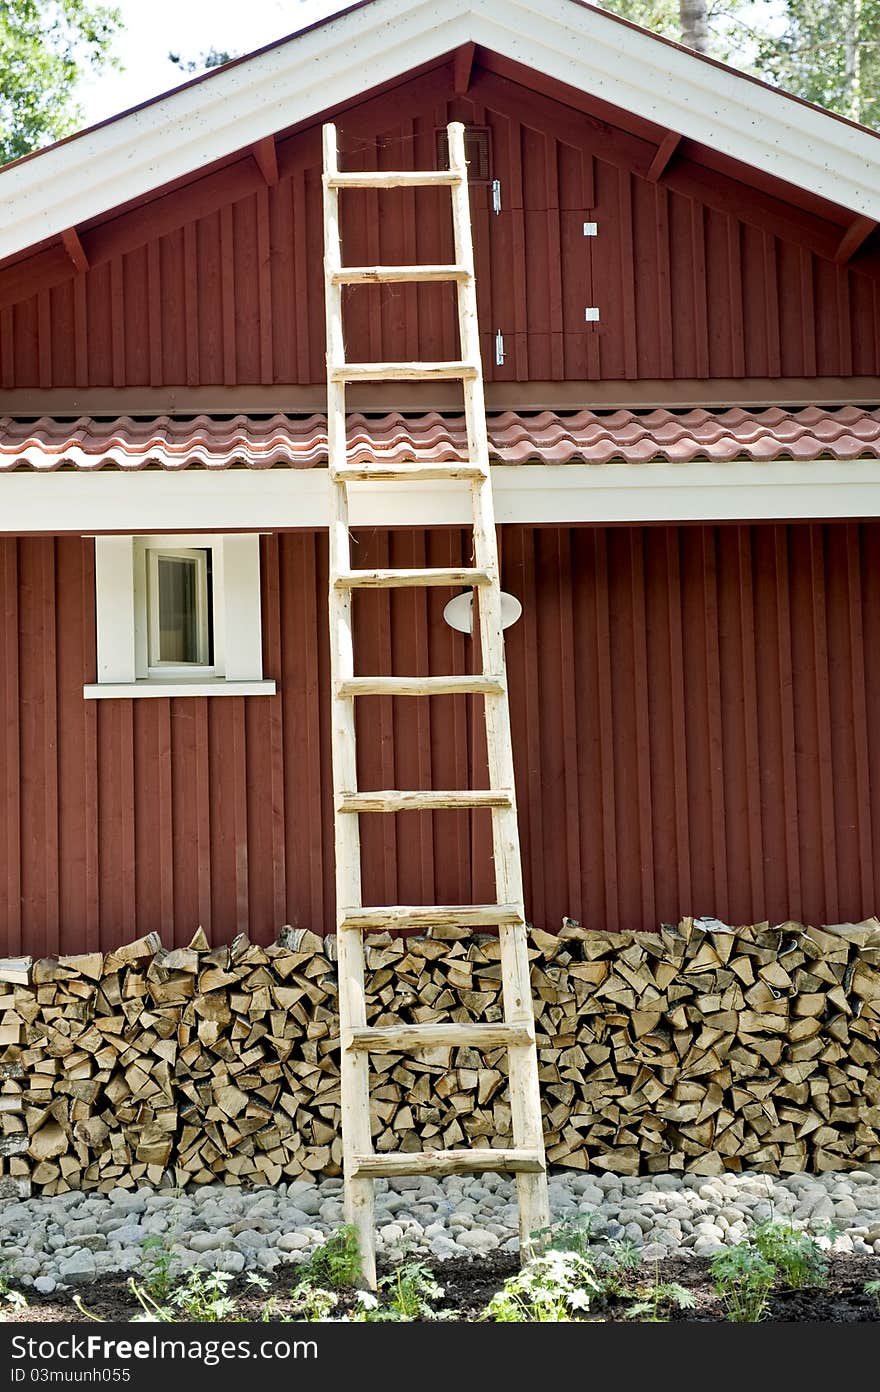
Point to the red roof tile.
(847, 432)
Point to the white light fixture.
(459, 612)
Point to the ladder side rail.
(525, 1098)
(354, 1064)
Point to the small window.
(178, 615)
(179, 605)
(477, 152)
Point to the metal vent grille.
(477, 150)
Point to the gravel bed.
(76, 1238)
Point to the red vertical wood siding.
(696, 716)
(691, 280)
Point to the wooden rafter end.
(74, 248)
(265, 154)
(663, 156)
(858, 232)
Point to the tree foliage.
(213, 58)
(829, 52)
(45, 47)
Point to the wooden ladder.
(361, 1164)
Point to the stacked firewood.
(698, 1048)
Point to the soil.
(469, 1285)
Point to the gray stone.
(230, 1261)
(207, 1242)
(45, 1284)
(478, 1241)
(77, 1269)
(293, 1242)
(391, 1234)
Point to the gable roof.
(323, 67)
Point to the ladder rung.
(445, 1162)
(405, 178)
(387, 275)
(380, 372)
(390, 579)
(420, 686)
(406, 469)
(397, 916)
(431, 800)
(395, 1039)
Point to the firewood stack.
(698, 1048)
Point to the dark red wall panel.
(691, 278)
(696, 716)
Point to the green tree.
(828, 52)
(45, 47)
(213, 58)
(709, 26)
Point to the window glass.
(178, 610)
(179, 587)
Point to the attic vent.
(477, 151)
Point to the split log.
(700, 1048)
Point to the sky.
(152, 28)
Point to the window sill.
(104, 691)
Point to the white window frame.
(122, 585)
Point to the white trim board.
(140, 690)
(323, 67)
(281, 499)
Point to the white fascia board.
(326, 66)
(281, 499)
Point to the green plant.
(314, 1303)
(13, 1298)
(796, 1255)
(613, 1262)
(873, 1288)
(743, 1279)
(159, 1269)
(573, 1236)
(653, 1301)
(412, 1286)
(201, 1298)
(551, 1288)
(336, 1263)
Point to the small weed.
(655, 1300)
(796, 1255)
(314, 1303)
(572, 1236)
(612, 1263)
(743, 1279)
(873, 1288)
(8, 1296)
(159, 1269)
(200, 1298)
(411, 1287)
(336, 1263)
(552, 1288)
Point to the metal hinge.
(496, 195)
(499, 348)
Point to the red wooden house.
(679, 280)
